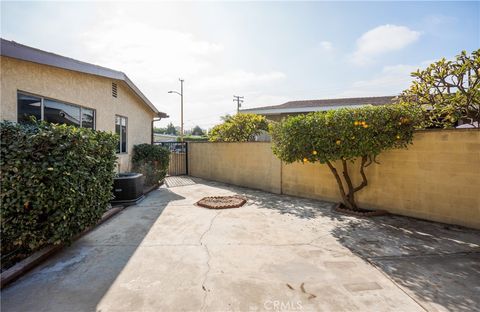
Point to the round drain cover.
(221, 202)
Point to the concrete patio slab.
(277, 253)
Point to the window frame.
(120, 135)
(42, 107)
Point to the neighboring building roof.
(319, 105)
(22, 52)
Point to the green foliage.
(160, 130)
(171, 129)
(190, 138)
(56, 181)
(239, 128)
(197, 131)
(447, 91)
(344, 135)
(225, 117)
(152, 161)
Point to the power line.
(239, 100)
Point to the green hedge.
(56, 181)
(152, 161)
(189, 138)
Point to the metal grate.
(114, 89)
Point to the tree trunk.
(348, 198)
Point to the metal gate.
(178, 157)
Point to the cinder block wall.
(437, 178)
(244, 164)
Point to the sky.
(268, 52)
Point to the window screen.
(61, 113)
(88, 118)
(53, 111)
(28, 106)
(121, 131)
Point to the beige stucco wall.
(77, 88)
(245, 164)
(437, 178)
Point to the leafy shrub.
(152, 161)
(447, 91)
(198, 131)
(56, 181)
(238, 128)
(190, 138)
(344, 135)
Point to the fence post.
(186, 158)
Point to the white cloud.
(238, 79)
(148, 51)
(382, 39)
(155, 57)
(326, 46)
(391, 81)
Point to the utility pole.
(239, 100)
(181, 107)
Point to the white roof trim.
(277, 111)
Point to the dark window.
(28, 106)
(121, 131)
(54, 111)
(61, 113)
(88, 118)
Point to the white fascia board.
(277, 111)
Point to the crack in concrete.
(208, 262)
(200, 243)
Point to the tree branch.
(340, 184)
(364, 177)
(348, 180)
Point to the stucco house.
(59, 89)
(277, 112)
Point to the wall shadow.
(284, 204)
(435, 263)
(78, 277)
(438, 264)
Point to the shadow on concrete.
(296, 206)
(436, 264)
(77, 278)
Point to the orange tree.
(238, 128)
(339, 137)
